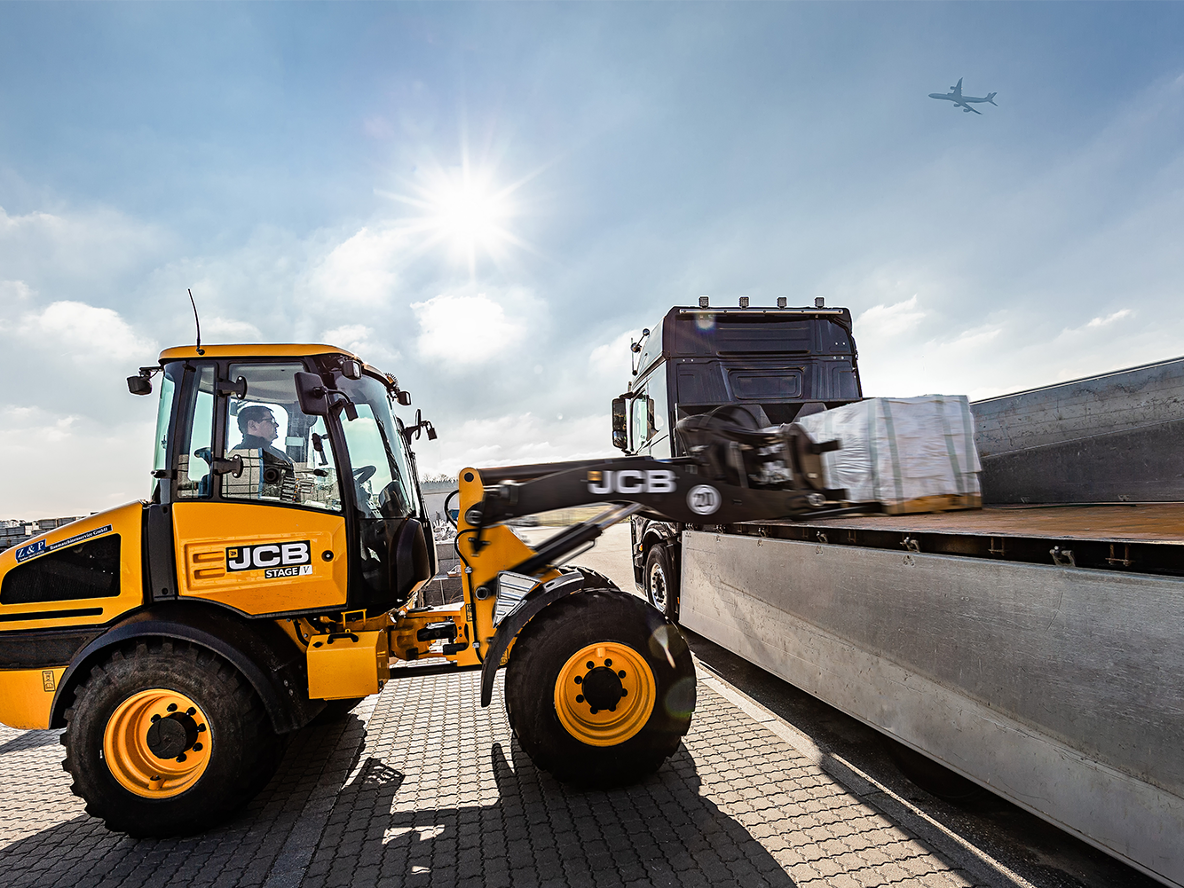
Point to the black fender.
(266, 656)
(654, 533)
(534, 601)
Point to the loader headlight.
(511, 589)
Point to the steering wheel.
(364, 474)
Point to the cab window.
(285, 453)
(195, 431)
(377, 452)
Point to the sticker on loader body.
(289, 559)
(41, 547)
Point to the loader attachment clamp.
(734, 474)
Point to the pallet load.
(905, 454)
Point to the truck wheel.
(600, 689)
(167, 739)
(661, 586)
(935, 779)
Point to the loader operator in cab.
(259, 428)
(276, 474)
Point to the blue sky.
(294, 164)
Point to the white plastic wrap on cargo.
(907, 454)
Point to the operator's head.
(259, 421)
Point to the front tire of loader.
(167, 739)
(600, 689)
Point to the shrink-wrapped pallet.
(905, 454)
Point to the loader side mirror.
(138, 385)
(404, 398)
(238, 388)
(311, 393)
(351, 368)
(620, 424)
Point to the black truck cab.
(775, 362)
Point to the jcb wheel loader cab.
(289, 483)
(167, 739)
(600, 689)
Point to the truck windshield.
(377, 452)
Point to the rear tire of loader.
(600, 689)
(167, 739)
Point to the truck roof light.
(704, 302)
(781, 302)
(819, 302)
(744, 302)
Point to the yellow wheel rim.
(605, 693)
(157, 743)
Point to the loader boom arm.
(733, 475)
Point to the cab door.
(257, 516)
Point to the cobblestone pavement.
(419, 786)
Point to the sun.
(470, 214)
(464, 211)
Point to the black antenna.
(197, 321)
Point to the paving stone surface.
(421, 787)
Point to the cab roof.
(252, 350)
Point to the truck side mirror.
(620, 425)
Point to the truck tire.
(934, 778)
(619, 652)
(661, 584)
(167, 739)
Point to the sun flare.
(465, 211)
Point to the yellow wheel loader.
(275, 571)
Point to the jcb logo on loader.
(277, 559)
(632, 481)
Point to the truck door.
(258, 517)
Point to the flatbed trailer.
(1056, 686)
(1034, 648)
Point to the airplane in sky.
(959, 100)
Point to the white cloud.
(888, 321)
(85, 332)
(1109, 319)
(362, 270)
(82, 248)
(362, 341)
(12, 292)
(612, 359)
(114, 458)
(465, 329)
(515, 439)
(229, 330)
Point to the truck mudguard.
(535, 600)
(260, 650)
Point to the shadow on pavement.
(540, 832)
(313, 825)
(30, 740)
(81, 853)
